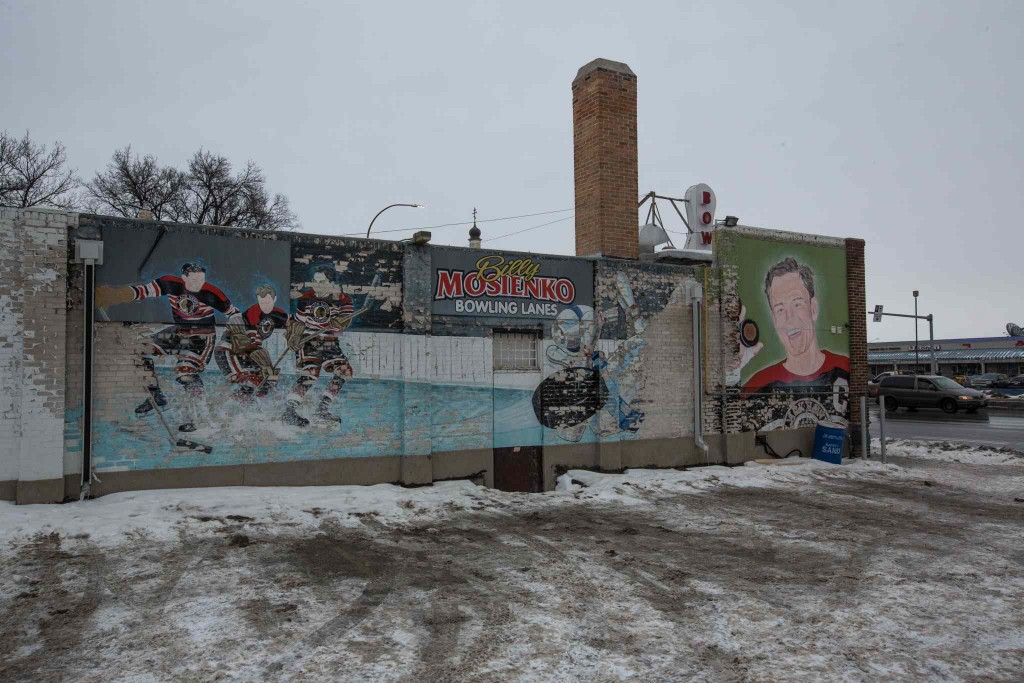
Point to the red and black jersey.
(192, 309)
(259, 325)
(776, 378)
(315, 312)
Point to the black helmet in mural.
(189, 268)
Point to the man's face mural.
(322, 284)
(794, 313)
(266, 301)
(194, 280)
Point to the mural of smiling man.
(793, 366)
(789, 288)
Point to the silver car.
(928, 391)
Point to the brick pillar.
(858, 336)
(605, 160)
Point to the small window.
(516, 350)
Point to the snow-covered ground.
(913, 570)
(945, 451)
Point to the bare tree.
(207, 192)
(32, 175)
(214, 195)
(131, 183)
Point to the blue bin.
(829, 443)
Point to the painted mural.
(793, 365)
(283, 351)
(592, 389)
(233, 376)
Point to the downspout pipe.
(694, 298)
(90, 254)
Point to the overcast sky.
(897, 122)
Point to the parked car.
(1010, 382)
(986, 380)
(874, 381)
(929, 391)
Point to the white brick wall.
(33, 292)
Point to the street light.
(415, 206)
(917, 361)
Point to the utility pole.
(931, 341)
(917, 361)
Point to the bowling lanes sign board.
(507, 285)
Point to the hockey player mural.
(241, 355)
(240, 349)
(191, 339)
(322, 312)
(592, 389)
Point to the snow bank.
(636, 485)
(164, 514)
(950, 452)
(159, 514)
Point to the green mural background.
(753, 258)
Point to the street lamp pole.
(917, 361)
(390, 206)
(931, 340)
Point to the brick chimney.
(605, 160)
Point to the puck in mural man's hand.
(749, 341)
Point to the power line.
(509, 234)
(450, 225)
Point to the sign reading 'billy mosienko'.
(473, 282)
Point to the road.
(999, 430)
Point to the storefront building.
(140, 354)
(972, 356)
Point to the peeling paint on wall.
(323, 374)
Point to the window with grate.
(516, 350)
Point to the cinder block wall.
(430, 378)
(33, 276)
(442, 422)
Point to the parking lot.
(910, 571)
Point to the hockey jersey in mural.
(259, 325)
(776, 378)
(316, 312)
(192, 309)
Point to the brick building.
(201, 356)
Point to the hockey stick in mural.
(178, 443)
